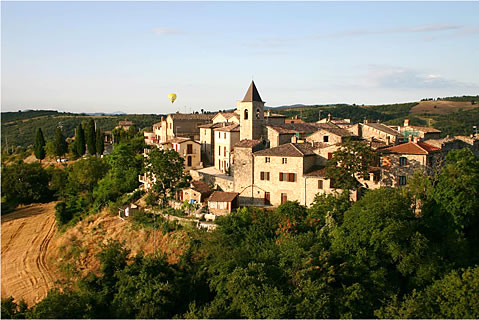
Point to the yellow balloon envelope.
(172, 97)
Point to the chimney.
(329, 117)
(162, 118)
(366, 121)
(406, 122)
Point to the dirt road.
(26, 236)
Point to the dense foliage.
(18, 128)
(377, 257)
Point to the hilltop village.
(253, 157)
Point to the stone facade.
(225, 138)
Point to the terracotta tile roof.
(423, 129)
(336, 130)
(252, 94)
(125, 123)
(211, 125)
(227, 115)
(221, 196)
(230, 128)
(200, 186)
(192, 116)
(288, 150)
(293, 128)
(247, 143)
(316, 171)
(411, 148)
(382, 127)
(180, 140)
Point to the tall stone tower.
(251, 110)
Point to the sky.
(128, 56)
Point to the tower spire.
(252, 94)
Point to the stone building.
(418, 132)
(401, 161)
(188, 149)
(226, 117)
(251, 110)
(225, 138)
(197, 192)
(221, 203)
(379, 131)
(207, 141)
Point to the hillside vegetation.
(436, 112)
(18, 128)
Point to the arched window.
(257, 113)
(246, 114)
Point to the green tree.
(385, 251)
(100, 147)
(60, 305)
(61, 146)
(91, 137)
(351, 160)
(39, 146)
(80, 140)
(166, 166)
(12, 310)
(456, 296)
(50, 149)
(24, 183)
(86, 173)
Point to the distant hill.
(18, 128)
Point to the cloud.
(417, 29)
(167, 31)
(389, 77)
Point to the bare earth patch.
(27, 271)
(441, 107)
(35, 255)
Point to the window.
(224, 136)
(257, 113)
(326, 139)
(402, 161)
(189, 149)
(246, 114)
(285, 160)
(320, 184)
(264, 175)
(402, 180)
(289, 177)
(284, 197)
(224, 149)
(330, 155)
(267, 160)
(219, 150)
(267, 198)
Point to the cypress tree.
(80, 140)
(91, 137)
(61, 146)
(39, 146)
(100, 147)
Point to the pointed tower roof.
(252, 94)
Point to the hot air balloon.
(172, 97)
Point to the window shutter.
(280, 176)
(261, 175)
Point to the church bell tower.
(251, 110)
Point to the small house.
(222, 203)
(125, 212)
(197, 192)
